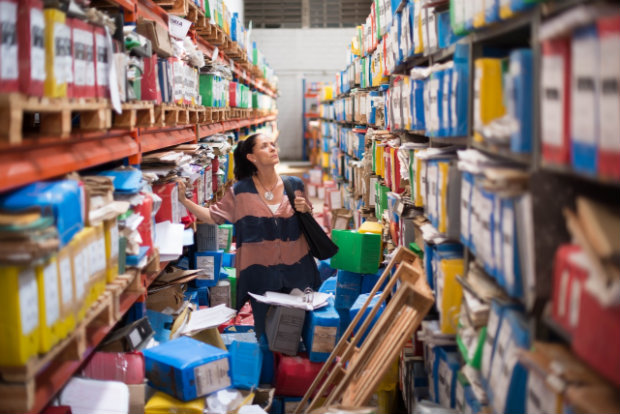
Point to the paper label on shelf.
(465, 212)
(497, 235)
(178, 26)
(575, 302)
(610, 93)
(62, 54)
(454, 120)
(477, 106)
(502, 380)
(509, 243)
(37, 47)
(373, 191)
(9, 69)
(487, 351)
(552, 96)
(79, 64)
(207, 263)
(52, 297)
(222, 238)
(432, 28)
(135, 338)
(432, 189)
(102, 60)
(335, 199)
(584, 90)
(114, 240)
(80, 273)
(444, 383)
(28, 300)
(220, 294)
(540, 398)
(324, 339)
(446, 104)
(66, 280)
(212, 376)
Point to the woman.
(272, 253)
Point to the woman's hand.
(182, 188)
(301, 205)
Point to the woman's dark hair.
(243, 167)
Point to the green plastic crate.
(207, 89)
(381, 201)
(224, 237)
(358, 252)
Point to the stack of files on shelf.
(578, 125)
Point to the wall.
(316, 54)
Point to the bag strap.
(289, 191)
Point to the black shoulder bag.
(320, 244)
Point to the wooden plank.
(345, 348)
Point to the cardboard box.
(158, 35)
(187, 368)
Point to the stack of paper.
(295, 299)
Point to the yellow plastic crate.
(489, 103)
(162, 403)
(479, 13)
(67, 290)
(110, 228)
(79, 265)
(19, 320)
(371, 227)
(505, 9)
(50, 327)
(98, 263)
(449, 294)
(55, 84)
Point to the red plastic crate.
(294, 374)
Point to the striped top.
(272, 253)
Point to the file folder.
(555, 102)
(609, 100)
(584, 99)
(521, 67)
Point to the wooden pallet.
(197, 115)
(176, 7)
(335, 369)
(129, 282)
(55, 115)
(214, 34)
(135, 114)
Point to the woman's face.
(265, 152)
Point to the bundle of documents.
(295, 299)
(27, 236)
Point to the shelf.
(219, 127)
(41, 159)
(523, 159)
(449, 140)
(59, 371)
(568, 171)
(503, 28)
(156, 139)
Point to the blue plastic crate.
(246, 360)
(320, 332)
(64, 198)
(325, 269)
(357, 306)
(267, 374)
(369, 280)
(187, 368)
(211, 262)
(348, 288)
(329, 285)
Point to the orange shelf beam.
(42, 159)
(219, 127)
(156, 139)
(149, 10)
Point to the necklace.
(268, 194)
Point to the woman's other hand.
(182, 188)
(301, 205)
